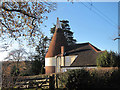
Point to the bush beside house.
(82, 79)
(108, 59)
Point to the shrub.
(118, 61)
(78, 79)
(14, 71)
(82, 79)
(63, 77)
(37, 67)
(107, 59)
(115, 79)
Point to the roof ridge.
(79, 44)
(84, 43)
(95, 48)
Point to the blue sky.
(86, 24)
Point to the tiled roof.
(58, 40)
(87, 54)
(75, 47)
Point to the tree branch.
(116, 39)
(21, 11)
(33, 28)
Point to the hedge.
(82, 79)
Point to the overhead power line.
(102, 14)
(99, 13)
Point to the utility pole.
(118, 28)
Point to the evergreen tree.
(67, 31)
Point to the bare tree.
(17, 55)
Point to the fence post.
(56, 81)
(51, 83)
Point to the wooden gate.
(37, 82)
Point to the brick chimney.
(62, 50)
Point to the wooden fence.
(36, 82)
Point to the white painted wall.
(51, 61)
(59, 61)
(58, 64)
(62, 61)
(70, 68)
